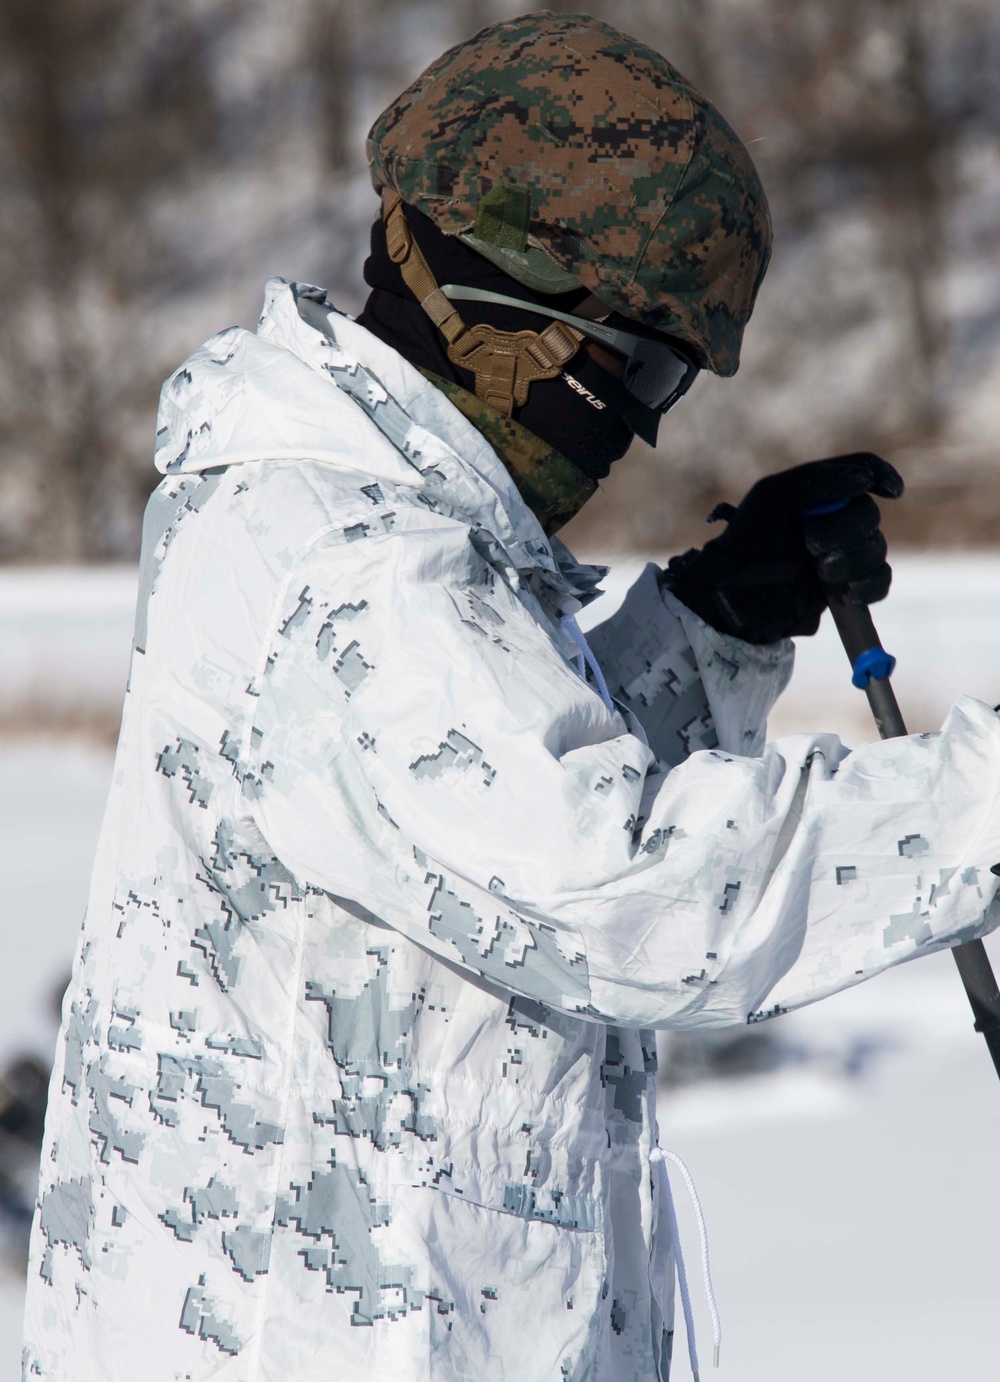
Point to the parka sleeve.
(424, 748)
(687, 685)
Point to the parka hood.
(314, 384)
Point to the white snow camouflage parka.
(355, 1077)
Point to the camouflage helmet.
(573, 156)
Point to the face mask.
(570, 414)
(582, 420)
(656, 372)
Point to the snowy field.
(852, 1194)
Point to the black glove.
(770, 574)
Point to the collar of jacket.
(253, 398)
(551, 486)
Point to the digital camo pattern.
(355, 1074)
(638, 187)
(550, 484)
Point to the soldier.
(356, 1075)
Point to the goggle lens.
(657, 374)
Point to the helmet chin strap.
(505, 363)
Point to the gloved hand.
(770, 574)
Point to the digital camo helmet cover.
(572, 155)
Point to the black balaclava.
(591, 436)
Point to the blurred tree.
(329, 54)
(860, 116)
(912, 162)
(859, 100)
(158, 160)
(108, 109)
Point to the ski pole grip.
(871, 665)
(869, 660)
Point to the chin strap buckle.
(505, 363)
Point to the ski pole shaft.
(872, 667)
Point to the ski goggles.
(657, 372)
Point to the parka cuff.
(742, 680)
(688, 686)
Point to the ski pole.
(872, 667)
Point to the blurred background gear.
(24, 1086)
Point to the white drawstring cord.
(656, 1155)
(585, 658)
(660, 1157)
(706, 1271)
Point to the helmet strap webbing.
(504, 363)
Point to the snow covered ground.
(65, 639)
(852, 1195)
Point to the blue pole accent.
(818, 509)
(874, 664)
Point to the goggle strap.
(592, 309)
(505, 363)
